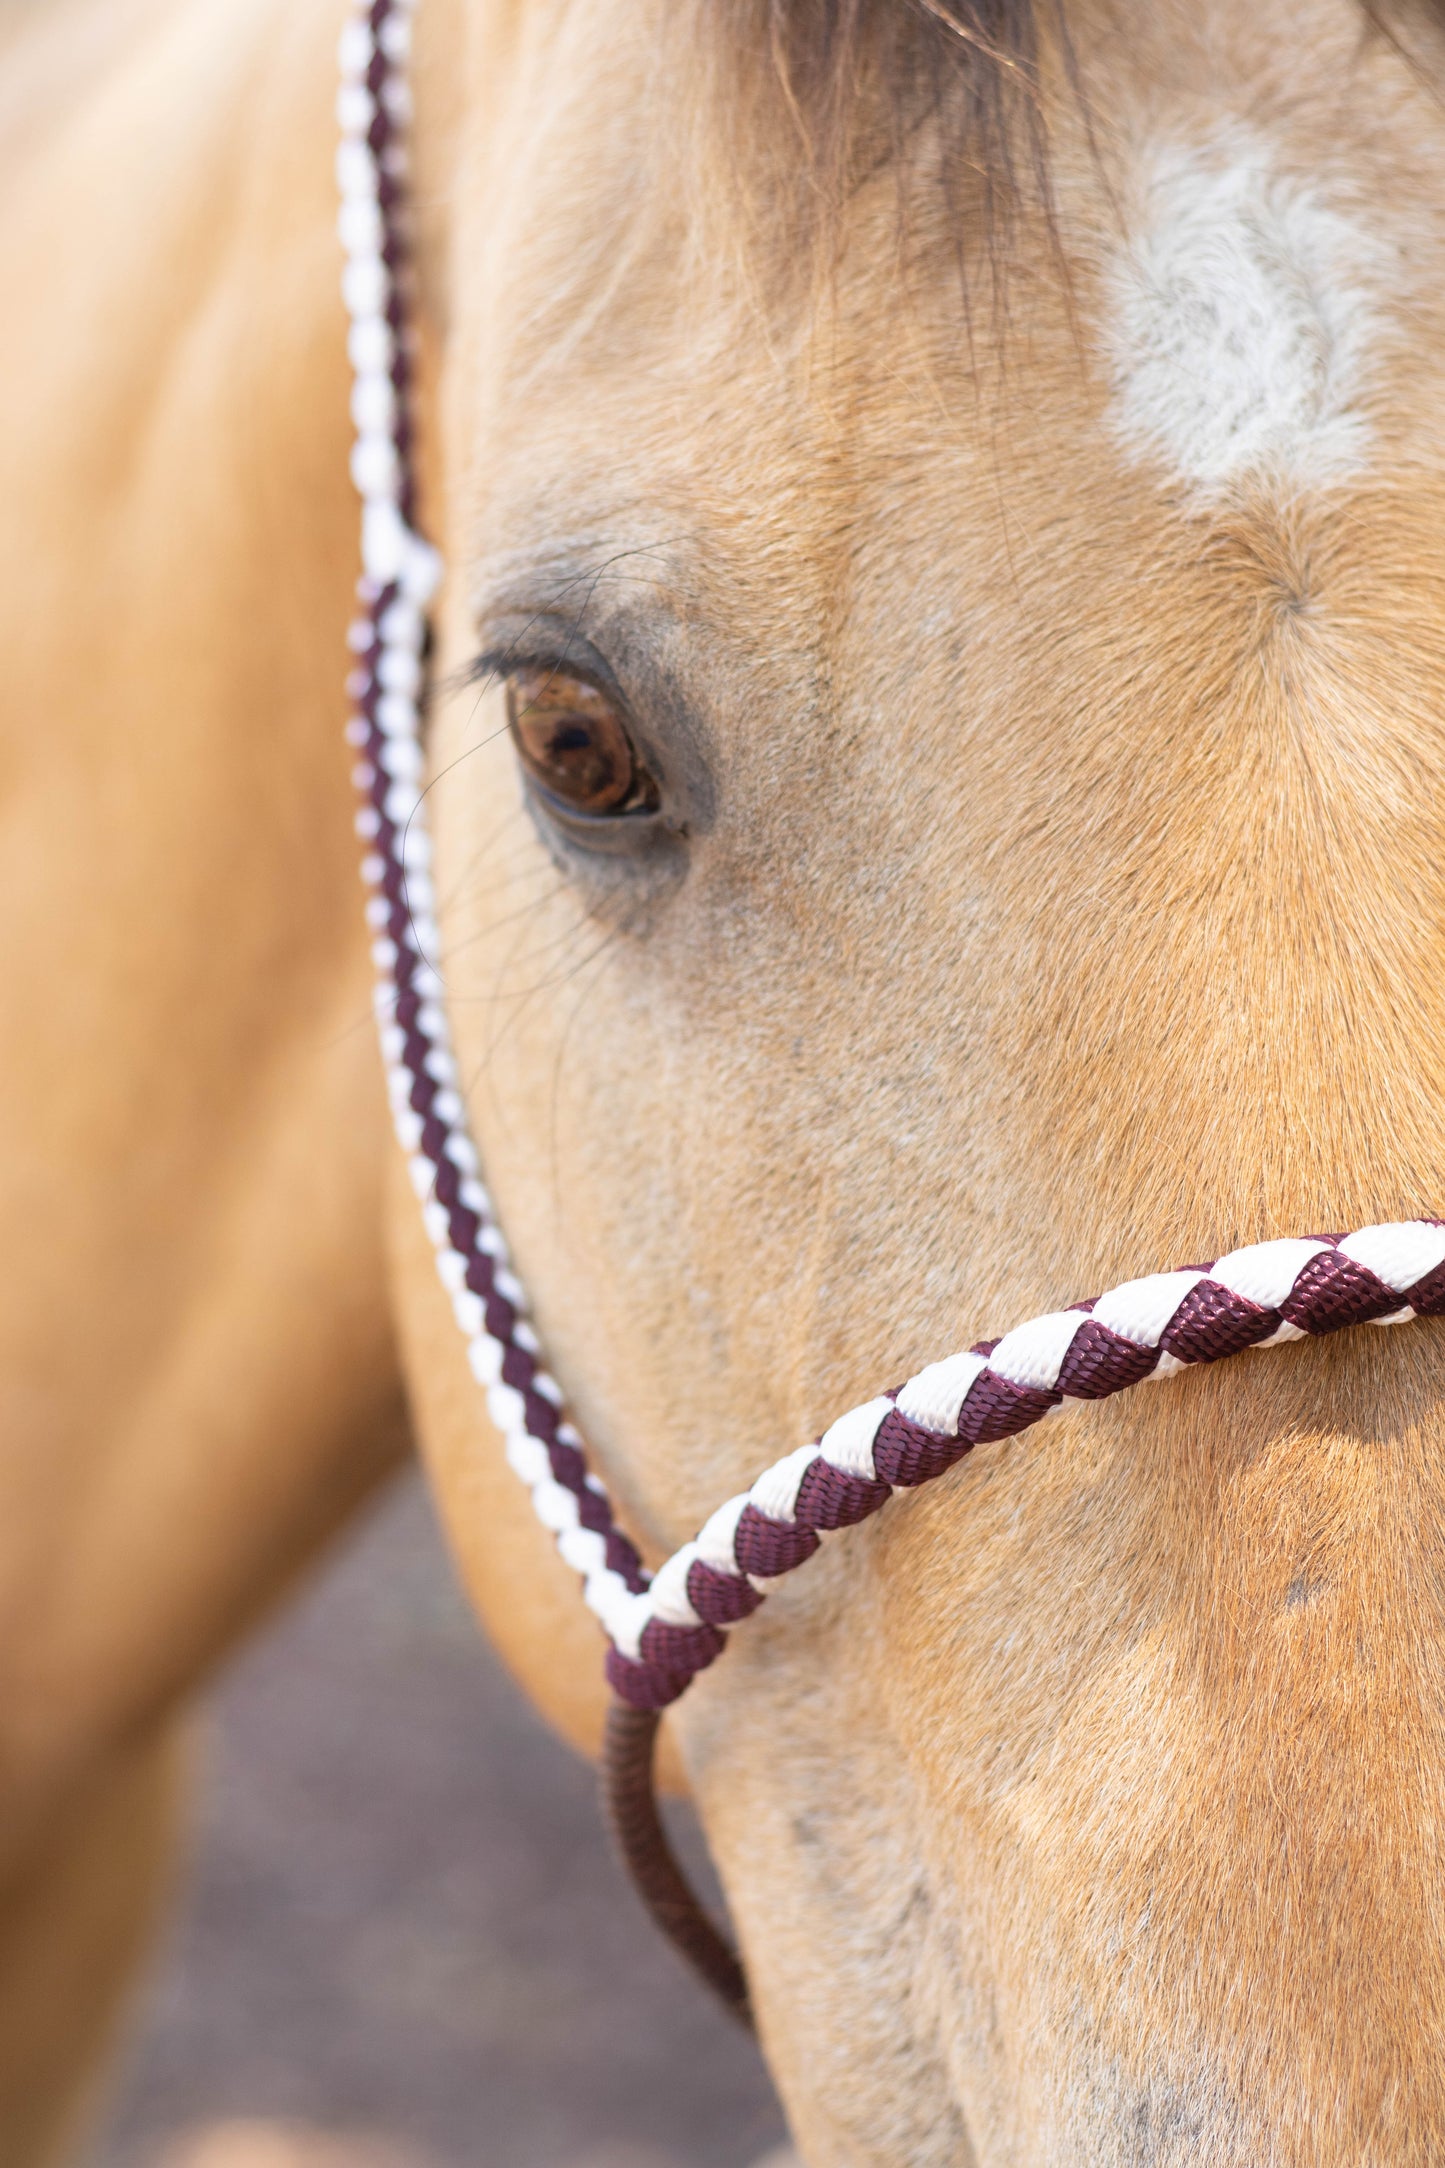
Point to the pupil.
(587, 766)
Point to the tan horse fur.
(1063, 901)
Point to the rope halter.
(664, 1628)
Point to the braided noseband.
(665, 1628)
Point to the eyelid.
(495, 664)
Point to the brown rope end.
(629, 1800)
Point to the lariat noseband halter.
(664, 1628)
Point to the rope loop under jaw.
(629, 1796)
(666, 1627)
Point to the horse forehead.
(1249, 302)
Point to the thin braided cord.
(387, 686)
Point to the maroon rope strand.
(629, 1801)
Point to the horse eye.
(574, 745)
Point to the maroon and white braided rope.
(389, 640)
(666, 1628)
(1150, 1328)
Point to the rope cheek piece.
(662, 1629)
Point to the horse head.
(938, 778)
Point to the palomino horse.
(976, 483)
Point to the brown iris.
(574, 744)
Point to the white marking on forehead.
(1245, 317)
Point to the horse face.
(939, 812)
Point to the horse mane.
(978, 56)
(861, 79)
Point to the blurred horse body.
(1031, 593)
(199, 1379)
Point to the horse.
(936, 772)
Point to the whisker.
(517, 1003)
(572, 1015)
(524, 910)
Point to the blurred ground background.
(401, 1922)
